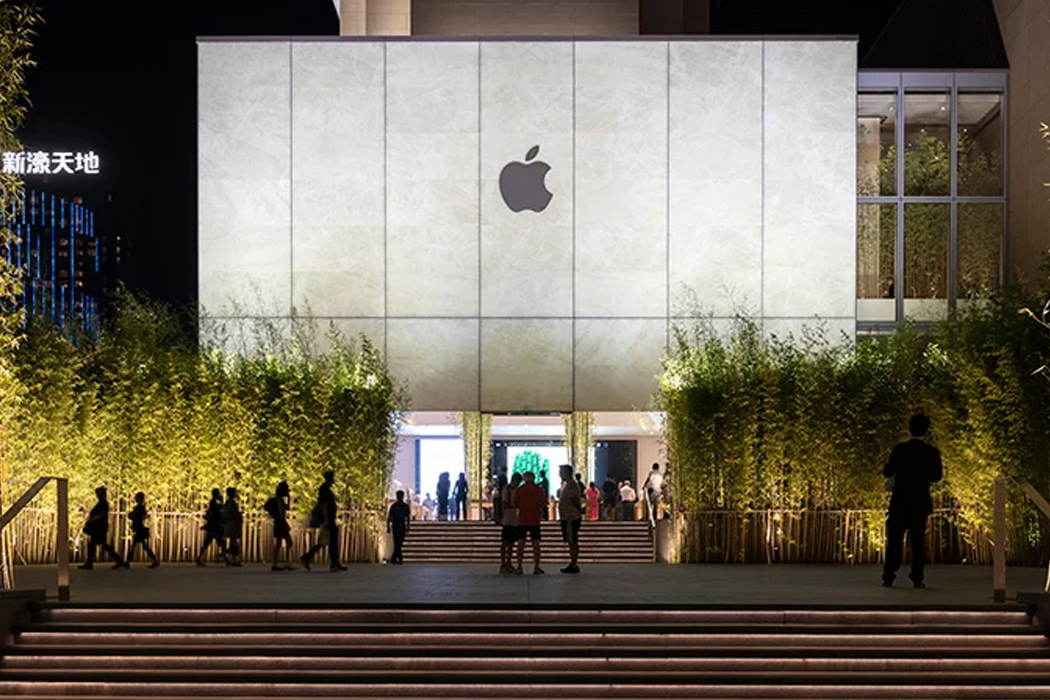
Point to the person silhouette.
(530, 502)
(139, 531)
(397, 520)
(913, 466)
(570, 515)
(97, 530)
(444, 485)
(324, 516)
(277, 508)
(232, 522)
(213, 527)
(460, 494)
(544, 483)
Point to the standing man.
(913, 466)
(531, 502)
(570, 514)
(627, 499)
(397, 521)
(97, 530)
(323, 516)
(545, 484)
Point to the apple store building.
(519, 224)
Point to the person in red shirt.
(530, 500)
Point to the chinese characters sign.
(54, 163)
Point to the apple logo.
(521, 184)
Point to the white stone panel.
(526, 101)
(716, 176)
(247, 336)
(617, 361)
(338, 166)
(526, 365)
(243, 170)
(432, 179)
(438, 361)
(621, 179)
(809, 248)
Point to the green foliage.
(148, 410)
(756, 425)
(477, 451)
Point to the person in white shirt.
(627, 499)
(428, 508)
(570, 514)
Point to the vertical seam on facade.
(386, 233)
(762, 227)
(480, 260)
(291, 187)
(667, 206)
(572, 276)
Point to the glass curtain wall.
(931, 198)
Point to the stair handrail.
(62, 529)
(999, 530)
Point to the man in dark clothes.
(97, 530)
(397, 522)
(212, 527)
(545, 484)
(913, 465)
(323, 516)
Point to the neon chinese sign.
(50, 163)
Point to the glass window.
(876, 135)
(926, 253)
(927, 135)
(980, 137)
(876, 257)
(978, 248)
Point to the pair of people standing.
(97, 531)
(521, 506)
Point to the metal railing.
(62, 531)
(999, 531)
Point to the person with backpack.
(323, 516)
(232, 522)
(97, 530)
(277, 508)
(140, 532)
(212, 527)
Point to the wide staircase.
(423, 652)
(478, 541)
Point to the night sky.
(119, 77)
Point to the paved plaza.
(476, 584)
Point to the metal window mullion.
(898, 260)
(953, 160)
(1005, 119)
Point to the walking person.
(593, 506)
(213, 527)
(460, 495)
(324, 516)
(140, 532)
(232, 523)
(397, 521)
(277, 508)
(653, 488)
(531, 502)
(97, 530)
(570, 515)
(913, 466)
